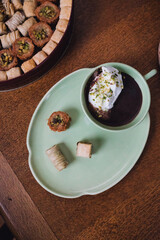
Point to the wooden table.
(104, 31)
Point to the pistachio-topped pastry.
(40, 33)
(47, 12)
(7, 60)
(59, 121)
(26, 28)
(23, 48)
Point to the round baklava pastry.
(47, 12)
(36, 32)
(59, 121)
(40, 33)
(7, 60)
(23, 48)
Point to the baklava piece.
(28, 65)
(39, 57)
(49, 47)
(57, 36)
(40, 33)
(29, 7)
(59, 121)
(2, 13)
(15, 20)
(62, 25)
(17, 4)
(13, 73)
(57, 158)
(3, 29)
(65, 3)
(3, 76)
(8, 7)
(8, 39)
(65, 13)
(84, 150)
(7, 60)
(26, 25)
(47, 12)
(23, 48)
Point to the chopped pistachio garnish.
(56, 120)
(40, 34)
(47, 12)
(5, 59)
(23, 47)
(106, 88)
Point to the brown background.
(104, 31)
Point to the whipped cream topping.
(106, 89)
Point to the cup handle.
(150, 74)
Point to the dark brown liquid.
(126, 107)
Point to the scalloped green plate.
(114, 153)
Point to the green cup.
(141, 81)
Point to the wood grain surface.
(19, 208)
(104, 31)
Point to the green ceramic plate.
(114, 153)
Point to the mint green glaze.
(150, 74)
(114, 153)
(145, 95)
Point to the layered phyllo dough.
(40, 33)
(17, 4)
(3, 28)
(7, 60)
(13, 73)
(65, 3)
(39, 57)
(57, 36)
(9, 8)
(15, 20)
(49, 47)
(3, 76)
(8, 39)
(57, 158)
(29, 7)
(65, 13)
(59, 121)
(2, 13)
(47, 12)
(62, 25)
(26, 25)
(23, 48)
(30, 30)
(28, 65)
